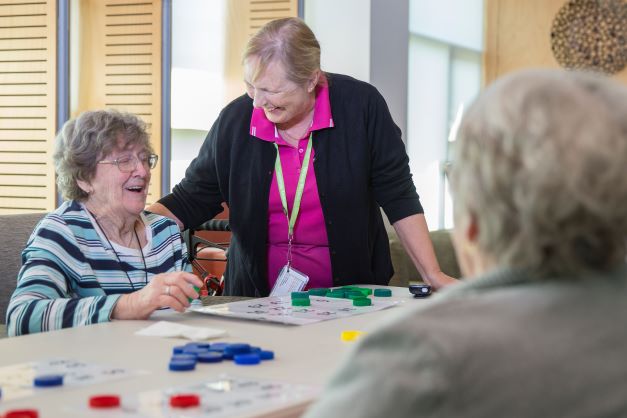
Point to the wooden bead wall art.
(591, 34)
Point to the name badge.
(289, 280)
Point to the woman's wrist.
(129, 308)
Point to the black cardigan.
(360, 164)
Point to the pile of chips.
(359, 295)
(185, 357)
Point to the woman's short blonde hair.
(289, 41)
(89, 138)
(541, 164)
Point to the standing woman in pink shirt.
(304, 161)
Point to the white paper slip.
(173, 330)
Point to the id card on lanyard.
(290, 279)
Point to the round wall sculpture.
(591, 35)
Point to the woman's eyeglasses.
(129, 163)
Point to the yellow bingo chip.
(350, 335)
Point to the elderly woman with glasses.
(100, 256)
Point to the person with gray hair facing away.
(304, 162)
(100, 256)
(538, 327)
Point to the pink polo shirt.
(310, 246)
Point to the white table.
(304, 354)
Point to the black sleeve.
(197, 198)
(391, 179)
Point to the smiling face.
(284, 102)
(115, 193)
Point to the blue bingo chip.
(194, 350)
(266, 355)
(182, 365)
(237, 349)
(178, 349)
(219, 346)
(48, 380)
(204, 346)
(184, 357)
(247, 359)
(210, 357)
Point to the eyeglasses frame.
(152, 160)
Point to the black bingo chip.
(420, 290)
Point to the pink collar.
(262, 128)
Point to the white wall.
(343, 30)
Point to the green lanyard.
(291, 219)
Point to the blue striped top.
(70, 275)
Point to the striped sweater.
(71, 276)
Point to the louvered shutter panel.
(27, 105)
(120, 64)
(261, 12)
(245, 17)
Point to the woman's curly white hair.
(83, 141)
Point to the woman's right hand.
(172, 290)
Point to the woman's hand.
(440, 280)
(413, 233)
(172, 290)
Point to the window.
(445, 50)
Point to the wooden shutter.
(27, 105)
(261, 12)
(120, 64)
(245, 17)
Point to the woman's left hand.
(440, 280)
(414, 235)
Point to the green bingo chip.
(362, 302)
(383, 293)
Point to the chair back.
(404, 269)
(14, 233)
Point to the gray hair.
(289, 41)
(541, 163)
(83, 141)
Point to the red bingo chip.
(104, 401)
(22, 413)
(184, 401)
